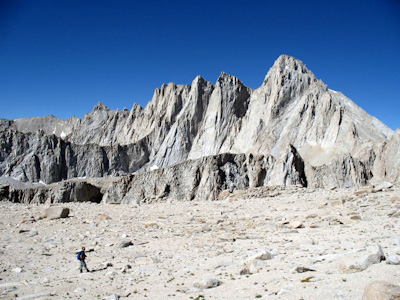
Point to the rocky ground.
(269, 243)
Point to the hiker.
(81, 257)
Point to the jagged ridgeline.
(194, 141)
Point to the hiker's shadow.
(101, 269)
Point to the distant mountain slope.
(329, 133)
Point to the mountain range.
(196, 141)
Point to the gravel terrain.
(269, 243)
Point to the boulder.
(262, 254)
(393, 260)
(124, 244)
(55, 212)
(252, 266)
(295, 224)
(361, 259)
(381, 290)
(208, 283)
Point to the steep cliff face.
(38, 157)
(310, 134)
(386, 159)
(201, 179)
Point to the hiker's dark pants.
(83, 265)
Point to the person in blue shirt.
(82, 257)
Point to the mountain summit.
(291, 130)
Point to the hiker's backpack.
(79, 257)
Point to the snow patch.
(63, 135)
(154, 167)
(41, 182)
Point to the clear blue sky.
(62, 57)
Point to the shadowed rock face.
(36, 157)
(310, 135)
(200, 179)
(67, 191)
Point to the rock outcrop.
(200, 179)
(302, 132)
(62, 192)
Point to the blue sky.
(62, 57)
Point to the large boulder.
(361, 259)
(56, 212)
(381, 290)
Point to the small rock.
(206, 228)
(382, 186)
(113, 297)
(103, 217)
(295, 224)
(262, 255)
(124, 244)
(303, 270)
(17, 270)
(126, 268)
(151, 225)
(381, 290)
(112, 274)
(32, 233)
(208, 283)
(252, 266)
(80, 290)
(333, 220)
(393, 260)
(311, 216)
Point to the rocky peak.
(225, 78)
(100, 106)
(286, 62)
(290, 71)
(199, 80)
(136, 107)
